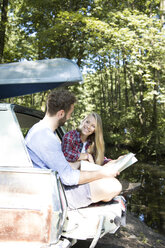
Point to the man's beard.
(62, 121)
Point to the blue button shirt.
(45, 151)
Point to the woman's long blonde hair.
(97, 147)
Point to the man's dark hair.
(59, 100)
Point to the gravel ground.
(134, 235)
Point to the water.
(147, 203)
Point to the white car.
(33, 207)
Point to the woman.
(86, 142)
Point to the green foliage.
(120, 46)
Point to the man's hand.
(114, 161)
(111, 162)
(107, 171)
(103, 172)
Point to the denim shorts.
(78, 196)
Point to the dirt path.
(135, 235)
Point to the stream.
(148, 202)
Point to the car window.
(26, 122)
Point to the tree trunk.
(111, 99)
(132, 87)
(125, 81)
(162, 11)
(4, 9)
(119, 84)
(155, 119)
(142, 115)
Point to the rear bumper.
(64, 243)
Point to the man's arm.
(90, 176)
(45, 152)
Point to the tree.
(121, 45)
(3, 24)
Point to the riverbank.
(134, 235)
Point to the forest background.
(120, 48)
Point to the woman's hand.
(90, 158)
(86, 156)
(75, 165)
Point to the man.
(81, 187)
